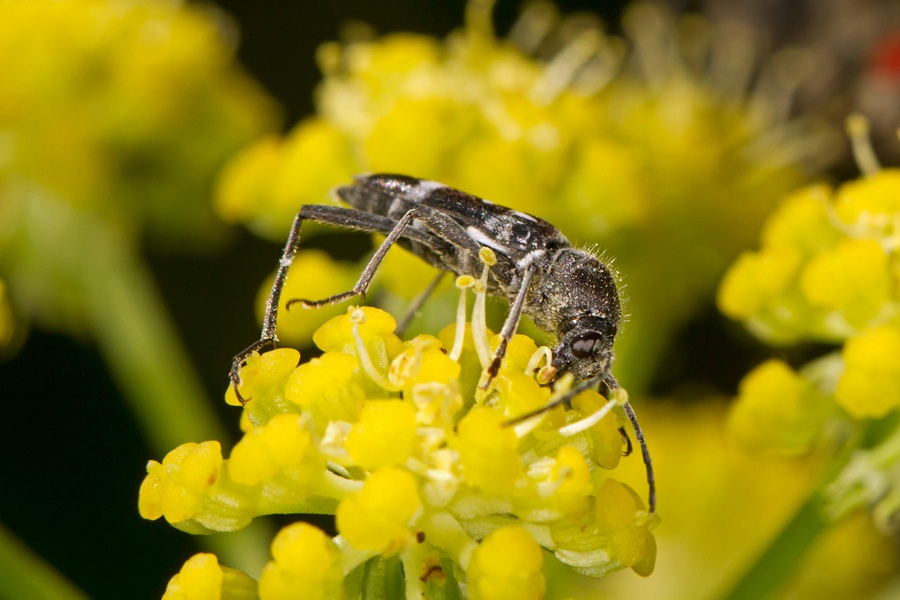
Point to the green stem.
(140, 345)
(25, 576)
(144, 352)
(780, 560)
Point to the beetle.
(567, 291)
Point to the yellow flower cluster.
(114, 117)
(394, 439)
(828, 270)
(623, 147)
(107, 100)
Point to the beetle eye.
(583, 344)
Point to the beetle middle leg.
(439, 225)
(510, 326)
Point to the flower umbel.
(828, 270)
(416, 466)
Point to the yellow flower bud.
(199, 579)
(383, 435)
(853, 277)
(802, 223)
(262, 452)
(776, 409)
(413, 135)
(244, 181)
(394, 55)
(487, 451)
(616, 519)
(264, 376)
(203, 578)
(757, 279)
(870, 385)
(267, 183)
(506, 565)
(575, 476)
(306, 564)
(328, 387)
(520, 393)
(519, 351)
(422, 361)
(377, 517)
(607, 441)
(871, 202)
(337, 334)
(175, 488)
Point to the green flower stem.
(780, 560)
(141, 347)
(25, 576)
(775, 566)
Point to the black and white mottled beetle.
(566, 291)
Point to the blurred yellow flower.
(837, 256)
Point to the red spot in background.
(885, 57)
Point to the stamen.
(533, 25)
(588, 422)
(858, 130)
(559, 73)
(358, 317)
(478, 18)
(479, 314)
(462, 283)
(543, 353)
(487, 256)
